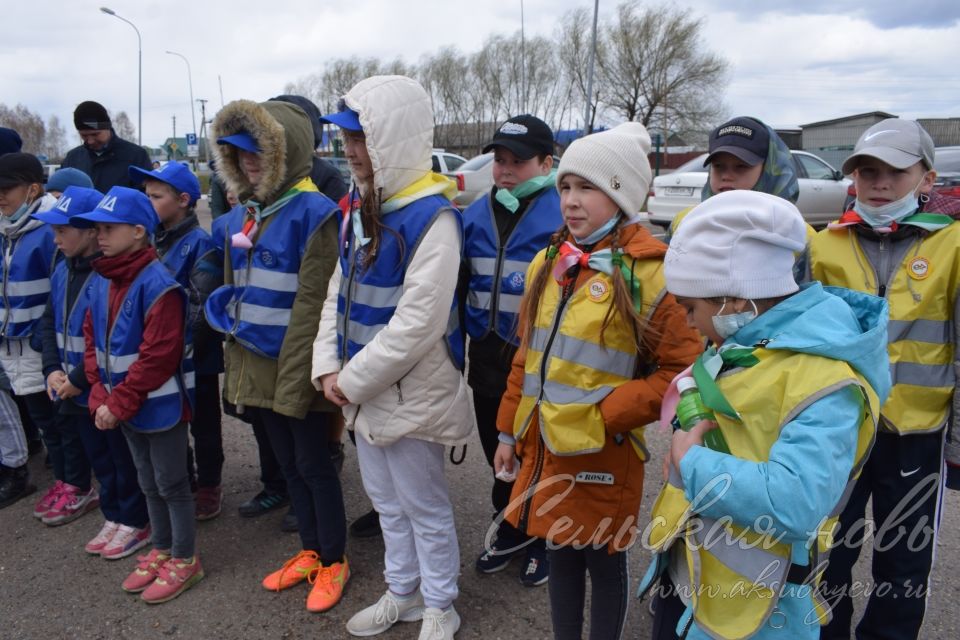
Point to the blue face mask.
(727, 325)
(598, 235)
(16, 215)
(885, 215)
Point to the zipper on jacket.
(538, 461)
(7, 253)
(346, 308)
(399, 393)
(884, 267)
(495, 287)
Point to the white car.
(823, 190)
(446, 162)
(474, 178)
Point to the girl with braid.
(601, 339)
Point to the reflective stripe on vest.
(368, 297)
(266, 277)
(68, 321)
(920, 337)
(27, 268)
(567, 371)
(732, 565)
(163, 407)
(495, 287)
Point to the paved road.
(49, 588)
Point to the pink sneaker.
(125, 542)
(46, 502)
(148, 567)
(99, 541)
(71, 504)
(175, 576)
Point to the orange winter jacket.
(594, 498)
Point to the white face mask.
(885, 215)
(727, 325)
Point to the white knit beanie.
(615, 161)
(739, 243)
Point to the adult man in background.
(103, 156)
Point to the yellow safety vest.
(736, 574)
(921, 296)
(567, 369)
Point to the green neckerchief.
(253, 207)
(707, 367)
(510, 198)
(929, 221)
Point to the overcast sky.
(799, 61)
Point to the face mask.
(598, 235)
(885, 215)
(16, 215)
(727, 325)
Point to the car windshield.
(476, 162)
(947, 160)
(693, 166)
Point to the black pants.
(668, 608)
(207, 432)
(30, 428)
(302, 449)
(69, 460)
(271, 476)
(903, 476)
(611, 590)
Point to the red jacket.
(161, 349)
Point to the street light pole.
(593, 53)
(193, 115)
(111, 12)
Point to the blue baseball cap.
(175, 174)
(73, 201)
(121, 205)
(241, 140)
(346, 118)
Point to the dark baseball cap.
(745, 138)
(897, 142)
(20, 168)
(525, 136)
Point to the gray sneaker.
(388, 610)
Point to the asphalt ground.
(51, 589)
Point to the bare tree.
(123, 126)
(27, 123)
(654, 65)
(55, 142)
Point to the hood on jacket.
(831, 322)
(779, 176)
(397, 120)
(284, 135)
(310, 109)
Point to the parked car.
(475, 178)
(823, 190)
(947, 165)
(446, 163)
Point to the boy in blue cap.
(138, 360)
(189, 253)
(61, 332)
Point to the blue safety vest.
(497, 272)
(68, 320)
(256, 308)
(118, 345)
(185, 252)
(28, 262)
(368, 297)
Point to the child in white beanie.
(795, 380)
(600, 341)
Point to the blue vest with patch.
(368, 297)
(184, 253)
(68, 320)
(28, 262)
(118, 345)
(497, 272)
(255, 310)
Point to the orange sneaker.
(294, 571)
(328, 585)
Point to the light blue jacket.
(809, 465)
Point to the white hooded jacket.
(403, 382)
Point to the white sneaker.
(102, 539)
(388, 610)
(439, 624)
(126, 541)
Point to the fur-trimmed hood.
(397, 119)
(284, 134)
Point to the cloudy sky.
(798, 61)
